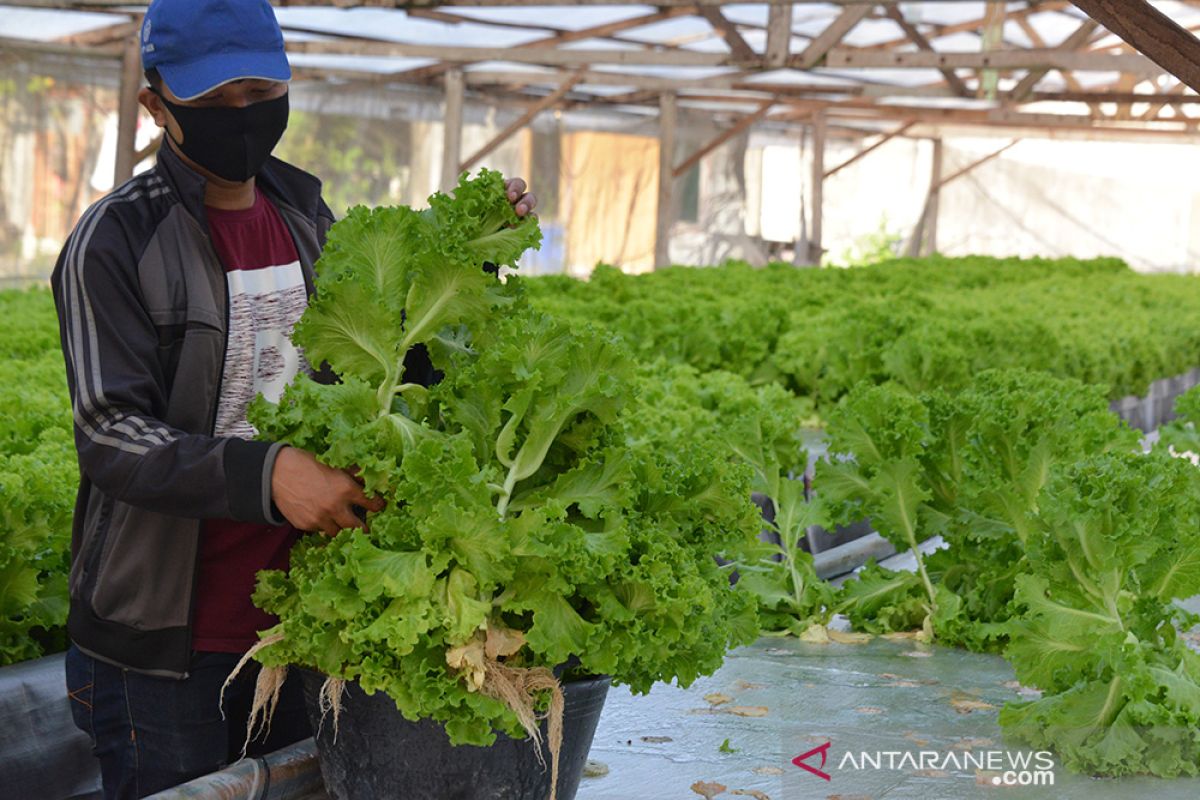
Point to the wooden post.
(820, 128)
(935, 196)
(127, 112)
(993, 38)
(667, 111)
(452, 130)
(801, 247)
(779, 35)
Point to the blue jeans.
(154, 733)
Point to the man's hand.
(314, 497)
(523, 202)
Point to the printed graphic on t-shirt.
(264, 306)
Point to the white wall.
(1140, 202)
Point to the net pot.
(379, 755)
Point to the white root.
(330, 699)
(266, 692)
(516, 688)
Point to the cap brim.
(195, 78)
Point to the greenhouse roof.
(1022, 67)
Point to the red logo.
(824, 751)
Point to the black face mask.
(231, 143)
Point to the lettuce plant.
(534, 522)
(1116, 542)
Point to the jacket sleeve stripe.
(102, 423)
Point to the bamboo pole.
(127, 112)
(935, 197)
(452, 130)
(668, 109)
(820, 131)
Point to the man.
(176, 295)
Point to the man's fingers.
(525, 205)
(345, 518)
(357, 497)
(516, 187)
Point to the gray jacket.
(143, 311)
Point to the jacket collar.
(279, 179)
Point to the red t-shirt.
(266, 297)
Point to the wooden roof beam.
(974, 165)
(827, 39)
(1152, 32)
(520, 122)
(1068, 77)
(528, 55)
(998, 60)
(8, 44)
(607, 30)
(727, 31)
(903, 129)
(742, 124)
(973, 26)
(1076, 41)
(1157, 107)
(99, 37)
(916, 37)
(93, 5)
(650, 86)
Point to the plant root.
(517, 688)
(330, 699)
(266, 692)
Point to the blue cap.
(197, 45)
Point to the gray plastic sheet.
(781, 698)
(43, 756)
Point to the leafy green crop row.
(546, 446)
(38, 477)
(1066, 549)
(925, 324)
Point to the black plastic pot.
(379, 755)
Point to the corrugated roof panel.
(887, 75)
(380, 64)
(677, 73)
(512, 66)
(1055, 27)
(962, 42)
(793, 77)
(46, 24)
(758, 41)
(871, 32)
(680, 30)
(397, 26)
(965, 103)
(749, 107)
(571, 18)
